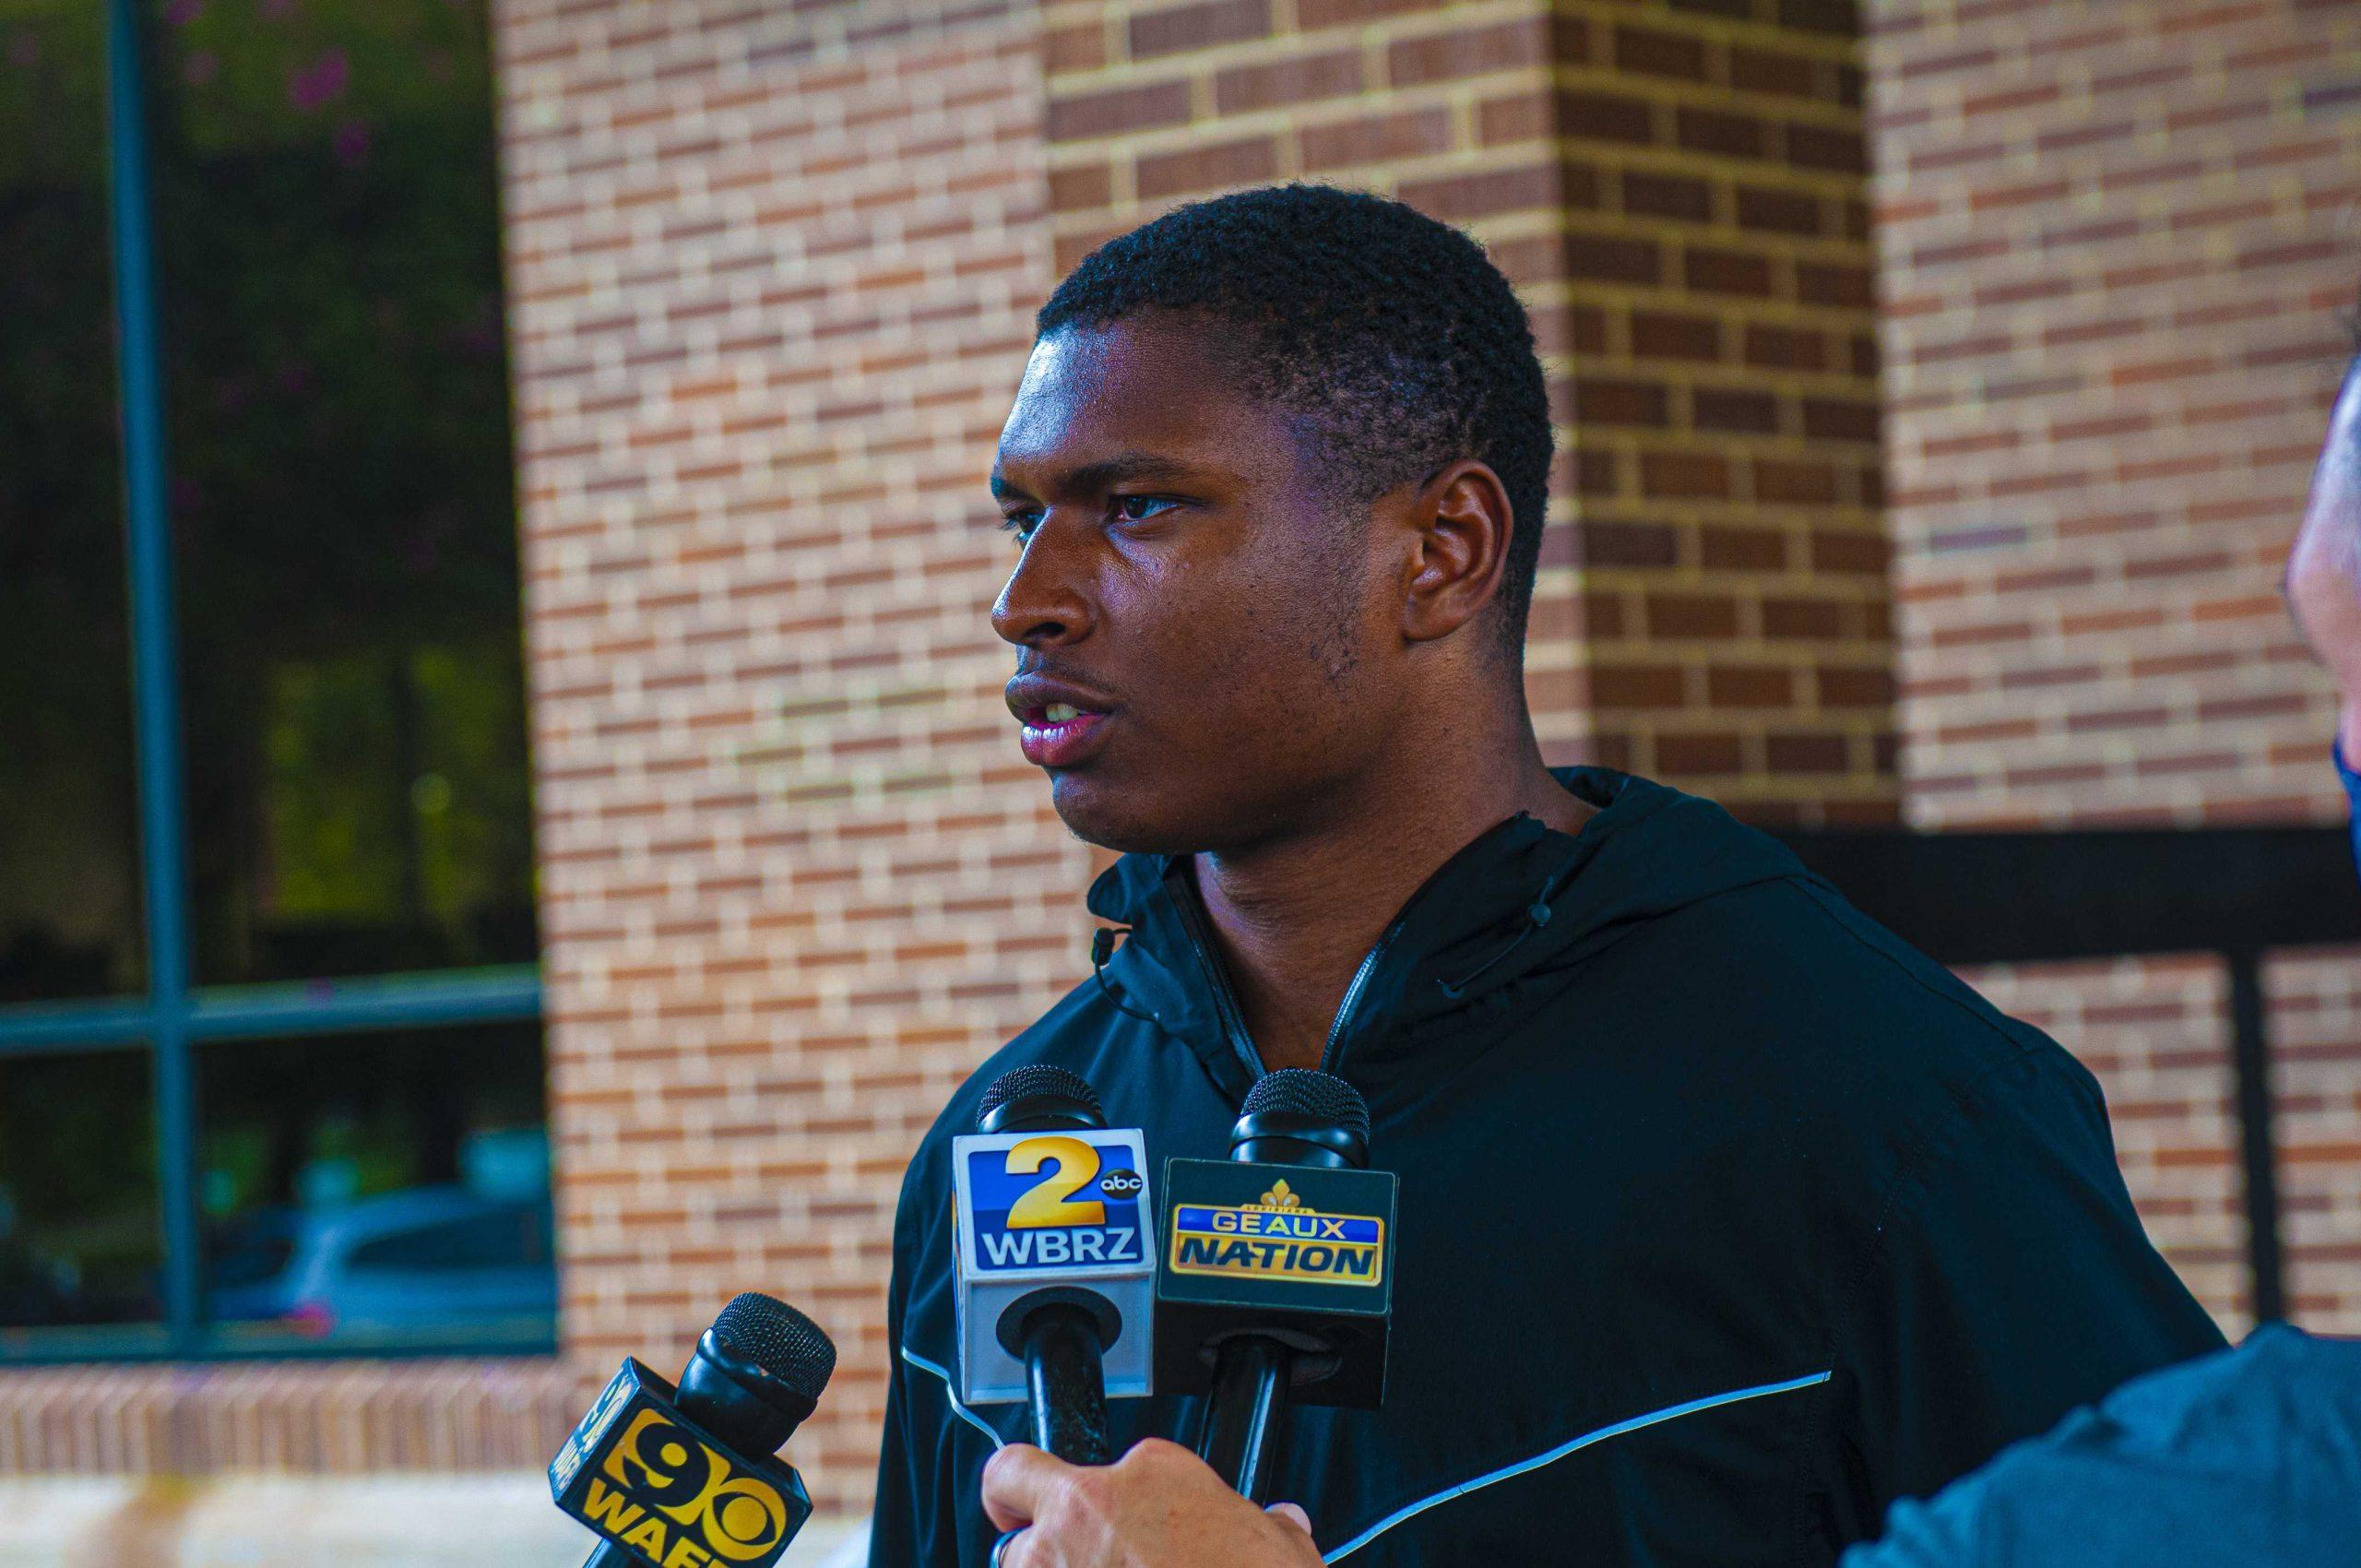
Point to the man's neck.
(1294, 917)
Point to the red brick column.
(1677, 191)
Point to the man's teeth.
(1062, 712)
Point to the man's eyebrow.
(1091, 476)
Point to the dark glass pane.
(69, 872)
(517, 1233)
(79, 1242)
(381, 1189)
(344, 504)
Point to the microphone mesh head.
(1019, 1083)
(781, 1340)
(1321, 1096)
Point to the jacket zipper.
(1233, 1017)
(1329, 1053)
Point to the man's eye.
(1021, 524)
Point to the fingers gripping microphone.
(1278, 1282)
(1055, 1261)
(686, 1477)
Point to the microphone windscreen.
(1321, 1097)
(781, 1340)
(1038, 1079)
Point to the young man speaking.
(1726, 1219)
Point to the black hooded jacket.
(1726, 1217)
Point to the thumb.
(1292, 1515)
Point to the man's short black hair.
(1390, 339)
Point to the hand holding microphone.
(1158, 1506)
(684, 1478)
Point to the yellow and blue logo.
(1071, 1201)
(1278, 1238)
(680, 1502)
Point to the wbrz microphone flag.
(1037, 1211)
(1302, 1253)
(649, 1479)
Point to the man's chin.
(1128, 821)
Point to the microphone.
(1277, 1284)
(686, 1477)
(1056, 1261)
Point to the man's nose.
(1045, 601)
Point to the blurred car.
(431, 1259)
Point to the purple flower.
(25, 48)
(320, 82)
(179, 13)
(352, 144)
(200, 67)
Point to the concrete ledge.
(386, 1521)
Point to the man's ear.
(1460, 525)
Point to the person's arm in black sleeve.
(2009, 1282)
(909, 1527)
(893, 1524)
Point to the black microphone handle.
(1064, 1385)
(606, 1555)
(1245, 1411)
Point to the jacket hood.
(1519, 900)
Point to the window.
(270, 1055)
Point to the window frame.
(176, 1018)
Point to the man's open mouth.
(1059, 734)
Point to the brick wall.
(773, 279)
(318, 1416)
(2315, 1020)
(1725, 403)
(2114, 236)
(1676, 190)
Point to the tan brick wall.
(2114, 237)
(1677, 192)
(318, 1416)
(773, 286)
(1725, 410)
(2315, 1019)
